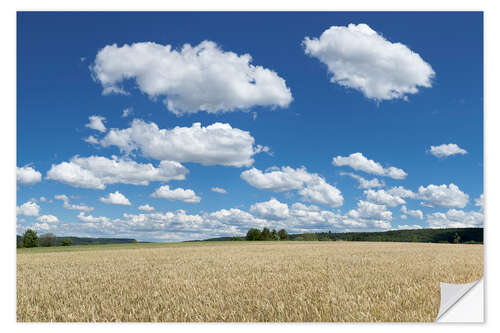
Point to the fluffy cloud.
(216, 144)
(146, 208)
(383, 198)
(92, 140)
(417, 213)
(67, 205)
(116, 198)
(357, 57)
(364, 183)
(96, 123)
(47, 219)
(29, 208)
(96, 172)
(446, 150)
(370, 211)
(127, 112)
(479, 202)
(219, 190)
(401, 192)
(409, 227)
(443, 195)
(176, 194)
(359, 162)
(454, 218)
(311, 186)
(26, 175)
(90, 218)
(272, 209)
(192, 79)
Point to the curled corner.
(455, 303)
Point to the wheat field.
(241, 282)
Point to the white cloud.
(43, 199)
(90, 218)
(219, 190)
(409, 227)
(364, 183)
(116, 198)
(311, 186)
(127, 112)
(176, 194)
(47, 219)
(358, 57)
(359, 162)
(216, 144)
(272, 209)
(67, 205)
(401, 192)
(192, 79)
(446, 150)
(29, 208)
(479, 202)
(404, 217)
(146, 208)
(26, 175)
(369, 210)
(96, 172)
(383, 198)
(40, 226)
(92, 140)
(443, 196)
(96, 123)
(417, 213)
(454, 218)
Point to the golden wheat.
(243, 281)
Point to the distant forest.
(450, 235)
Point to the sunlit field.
(241, 281)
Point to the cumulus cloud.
(95, 172)
(116, 198)
(146, 208)
(401, 192)
(409, 227)
(359, 162)
(454, 218)
(96, 123)
(216, 144)
(66, 204)
(26, 175)
(364, 183)
(479, 202)
(358, 57)
(127, 112)
(90, 218)
(92, 140)
(443, 195)
(446, 150)
(417, 213)
(369, 210)
(47, 219)
(192, 79)
(176, 194)
(29, 208)
(311, 186)
(384, 198)
(219, 190)
(272, 209)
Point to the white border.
(8, 140)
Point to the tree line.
(266, 235)
(30, 238)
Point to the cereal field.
(241, 281)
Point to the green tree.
(66, 242)
(274, 235)
(456, 238)
(283, 234)
(236, 238)
(48, 239)
(310, 237)
(254, 235)
(266, 234)
(30, 238)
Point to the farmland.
(241, 281)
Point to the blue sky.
(295, 111)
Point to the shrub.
(66, 242)
(30, 238)
(48, 239)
